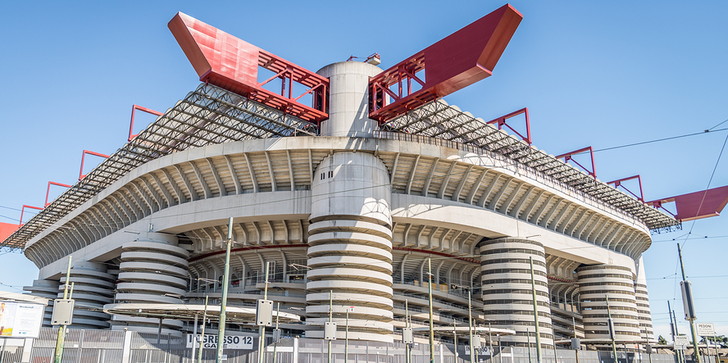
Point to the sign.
(681, 342)
(20, 320)
(705, 329)
(231, 342)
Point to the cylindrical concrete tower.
(596, 283)
(350, 247)
(506, 288)
(349, 99)
(643, 302)
(153, 269)
(93, 287)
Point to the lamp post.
(223, 302)
(432, 327)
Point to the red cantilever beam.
(131, 122)
(570, 156)
(697, 205)
(81, 175)
(48, 190)
(231, 63)
(453, 63)
(6, 229)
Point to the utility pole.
(261, 332)
(61, 338)
(610, 325)
(223, 302)
(432, 326)
(346, 336)
(276, 334)
(688, 307)
(202, 332)
(470, 329)
(575, 340)
(406, 336)
(535, 313)
(331, 320)
(455, 338)
(674, 331)
(490, 346)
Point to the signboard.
(681, 342)
(20, 320)
(705, 329)
(231, 342)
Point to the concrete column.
(47, 289)
(349, 99)
(643, 302)
(506, 289)
(596, 282)
(350, 247)
(93, 288)
(153, 269)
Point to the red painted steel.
(131, 122)
(231, 63)
(6, 229)
(503, 121)
(453, 63)
(22, 212)
(618, 183)
(570, 157)
(696, 205)
(83, 160)
(48, 190)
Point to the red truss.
(618, 183)
(231, 63)
(22, 212)
(131, 121)
(453, 63)
(696, 205)
(81, 175)
(48, 190)
(570, 157)
(503, 121)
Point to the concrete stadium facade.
(355, 212)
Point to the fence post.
(295, 349)
(126, 350)
(27, 350)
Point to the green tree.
(661, 340)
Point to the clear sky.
(591, 73)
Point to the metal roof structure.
(212, 115)
(439, 120)
(208, 115)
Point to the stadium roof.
(212, 115)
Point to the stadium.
(352, 183)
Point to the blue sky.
(591, 73)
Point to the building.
(352, 196)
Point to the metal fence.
(109, 346)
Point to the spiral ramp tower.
(507, 291)
(47, 289)
(153, 269)
(613, 286)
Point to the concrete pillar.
(349, 99)
(47, 289)
(643, 302)
(350, 247)
(506, 289)
(93, 288)
(596, 282)
(153, 269)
